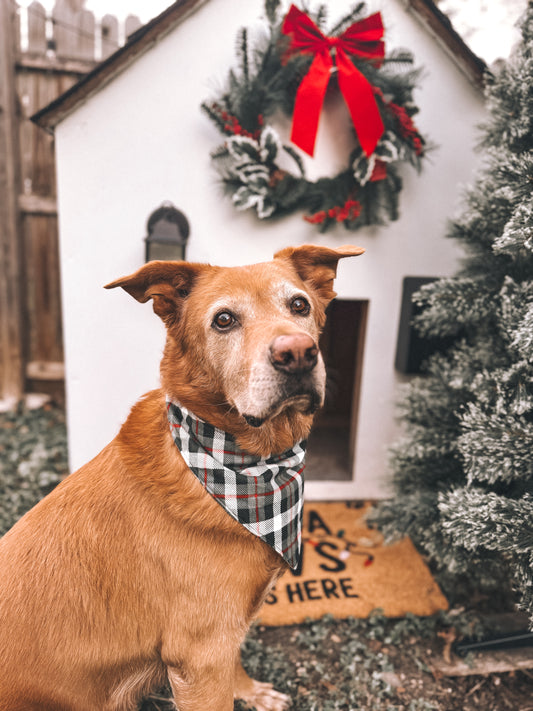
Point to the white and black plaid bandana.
(264, 495)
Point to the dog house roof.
(425, 11)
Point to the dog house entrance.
(331, 444)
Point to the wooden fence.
(41, 55)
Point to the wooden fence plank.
(12, 351)
(42, 287)
(132, 25)
(37, 152)
(109, 35)
(15, 29)
(45, 370)
(35, 205)
(25, 133)
(65, 30)
(55, 65)
(86, 44)
(36, 29)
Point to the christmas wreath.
(290, 70)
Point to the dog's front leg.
(204, 687)
(257, 694)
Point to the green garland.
(366, 191)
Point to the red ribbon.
(362, 39)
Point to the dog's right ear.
(317, 265)
(167, 283)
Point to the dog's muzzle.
(294, 358)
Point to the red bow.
(362, 39)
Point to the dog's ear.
(167, 283)
(317, 266)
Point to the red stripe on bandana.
(256, 506)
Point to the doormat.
(347, 571)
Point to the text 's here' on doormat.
(348, 571)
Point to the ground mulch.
(33, 459)
(374, 664)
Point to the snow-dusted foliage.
(463, 472)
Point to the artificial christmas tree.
(463, 473)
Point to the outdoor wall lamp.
(168, 231)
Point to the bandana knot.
(265, 495)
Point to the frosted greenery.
(463, 470)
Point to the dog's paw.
(263, 697)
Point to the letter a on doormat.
(347, 571)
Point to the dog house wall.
(141, 139)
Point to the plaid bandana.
(264, 495)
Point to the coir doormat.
(347, 571)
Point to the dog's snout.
(295, 353)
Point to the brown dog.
(129, 573)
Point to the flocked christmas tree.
(463, 473)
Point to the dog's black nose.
(295, 353)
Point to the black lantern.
(168, 230)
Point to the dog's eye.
(224, 320)
(300, 306)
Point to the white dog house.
(131, 135)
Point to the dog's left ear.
(167, 283)
(318, 265)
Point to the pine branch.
(271, 10)
(321, 16)
(297, 159)
(214, 115)
(354, 15)
(242, 54)
(399, 57)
